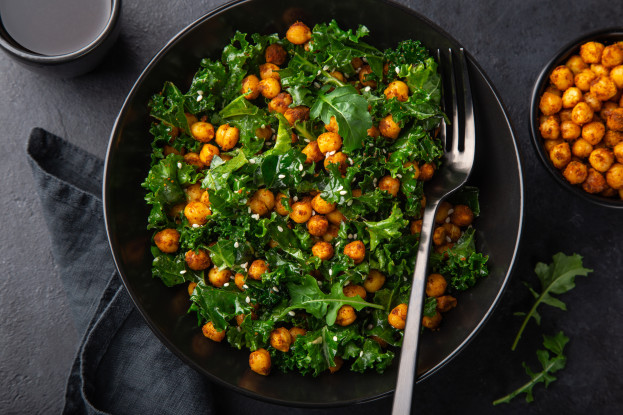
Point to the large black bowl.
(497, 173)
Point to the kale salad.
(286, 191)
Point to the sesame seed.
(238, 328)
(447, 220)
(349, 203)
(183, 271)
(282, 176)
(367, 89)
(255, 216)
(370, 326)
(306, 140)
(448, 239)
(199, 98)
(404, 278)
(252, 161)
(399, 176)
(200, 92)
(236, 244)
(292, 313)
(249, 210)
(364, 59)
(295, 198)
(350, 236)
(319, 282)
(248, 300)
(334, 338)
(319, 72)
(195, 225)
(276, 289)
(279, 228)
(245, 286)
(304, 173)
(226, 284)
(450, 211)
(243, 201)
(301, 167)
(273, 137)
(263, 126)
(325, 68)
(355, 236)
(343, 192)
(316, 84)
(397, 70)
(350, 161)
(245, 265)
(361, 353)
(313, 213)
(330, 272)
(179, 165)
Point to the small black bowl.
(70, 64)
(606, 36)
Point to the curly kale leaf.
(407, 52)
(372, 356)
(168, 107)
(386, 229)
(219, 305)
(171, 269)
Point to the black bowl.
(70, 64)
(542, 82)
(497, 173)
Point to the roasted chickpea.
(462, 216)
(313, 153)
(265, 196)
(560, 155)
(565, 115)
(240, 280)
(618, 152)
(250, 87)
(550, 103)
(374, 281)
(591, 52)
(550, 128)
(338, 158)
(595, 182)
(390, 185)
(363, 77)
(601, 159)
(397, 318)
(575, 172)
(356, 63)
(212, 333)
(612, 55)
(258, 207)
(353, 290)
(576, 64)
(612, 138)
(614, 120)
(208, 151)
(167, 149)
(280, 339)
(317, 225)
(356, 251)
(167, 240)
(452, 231)
(571, 97)
(323, 250)
(432, 322)
(335, 217)
(443, 211)
(593, 102)
(297, 331)
(269, 88)
(257, 269)
(593, 132)
(175, 211)
(332, 232)
(600, 70)
(345, 316)
(190, 119)
(275, 54)
(339, 76)
(279, 207)
(322, 206)
(373, 132)
(227, 136)
(413, 165)
(582, 113)
(570, 130)
(202, 131)
(329, 142)
(445, 303)
(439, 236)
(614, 176)
(218, 277)
(191, 287)
(389, 128)
(562, 77)
(338, 362)
(194, 160)
(197, 213)
(549, 144)
(427, 170)
(435, 285)
(584, 79)
(198, 261)
(356, 192)
(269, 70)
(205, 198)
(332, 126)
(416, 226)
(604, 88)
(399, 90)
(298, 33)
(616, 74)
(259, 362)
(193, 192)
(298, 113)
(301, 211)
(281, 103)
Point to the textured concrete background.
(511, 40)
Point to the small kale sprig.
(551, 363)
(556, 278)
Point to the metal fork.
(459, 158)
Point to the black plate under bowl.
(607, 36)
(497, 173)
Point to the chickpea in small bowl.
(577, 117)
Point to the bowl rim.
(26, 55)
(561, 55)
(161, 336)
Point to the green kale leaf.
(387, 229)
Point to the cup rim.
(539, 86)
(24, 54)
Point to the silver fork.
(459, 158)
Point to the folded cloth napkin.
(120, 366)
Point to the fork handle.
(408, 354)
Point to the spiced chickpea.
(601, 159)
(356, 251)
(560, 155)
(365, 71)
(218, 277)
(592, 101)
(389, 128)
(197, 213)
(374, 281)
(167, 149)
(353, 290)
(202, 131)
(565, 114)
(462, 216)
(427, 170)
(345, 316)
(176, 210)
(390, 185)
(612, 56)
(280, 103)
(265, 196)
(322, 206)
(338, 362)
(275, 54)
(301, 211)
(443, 211)
(562, 77)
(356, 63)
(550, 103)
(613, 138)
(312, 152)
(439, 236)
(194, 160)
(259, 362)
(416, 226)
(323, 250)
(599, 69)
(614, 176)
(595, 182)
(317, 225)
(332, 126)
(298, 113)
(280, 339)
(269, 70)
(338, 75)
(279, 207)
(397, 318)
(297, 331)
(593, 132)
(432, 323)
(329, 141)
(257, 269)
(581, 148)
(212, 333)
(269, 88)
(167, 240)
(575, 172)
(207, 153)
(199, 260)
(190, 118)
(299, 33)
(582, 113)
(604, 88)
(411, 165)
(452, 231)
(571, 97)
(576, 64)
(618, 152)
(399, 90)
(445, 303)
(614, 119)
(550, 128)
(616, 74)
(569, 130)
(331, 234)
(239, 280)
(193, 192)
(584, 79)
(591, 52)
(250, 87)
(191, 287)
(373, 132)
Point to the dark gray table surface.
(511, 40)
